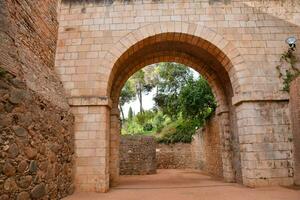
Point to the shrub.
(148, 127)
(178, 131)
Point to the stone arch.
(225, 52)
(181, 58)
(193, 45)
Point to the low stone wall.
(295, 117)
(137, 155)
(36, 145)
(174, 156)
(206, 149)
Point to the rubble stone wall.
(36, 145)
(137, 155)
(206, 149)
(36, 127)
(174, 156)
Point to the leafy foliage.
(178, 131)
(127, 95)
(183, 103)
(196, 100)
(291, 72)
(141, 86)
(172, 77)
(143, 123)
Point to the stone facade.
(235, 44)
(206, 149)
(174, 156)
(137, 155)
(36, 126)
(295, 115)
(266, 141)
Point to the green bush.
(131, 127)
(159, 121)
(148, 127)
(178, 131)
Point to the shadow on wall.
(206, 149)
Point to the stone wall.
(285, 9)
(206, 149)
(137, 155)
(235, 44)
(174, 156)
(28, 31)
(266, 143)
(36, 144)
(295, 116)
(36, 127)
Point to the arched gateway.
(102, 57)
(190, 44)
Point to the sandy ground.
(185, 185)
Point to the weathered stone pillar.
(92, 127)
(226, 148)
(265, 142)
(295, 118)
(114, 160)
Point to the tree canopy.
(127, 95)
(182, 102)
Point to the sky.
(148, 102)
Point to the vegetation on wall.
(2, 72)
(182, 103)
(287, 64)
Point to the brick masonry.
(295, 114)
(235, 44)
(137, 155)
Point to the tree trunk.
(140, 97)
(122, 113)
(141, 102)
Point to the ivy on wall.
(288, 62)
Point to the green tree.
(130, 114)
(171, 78)
(197, 100)
(183, 103)
(141, 86)
(128, 94)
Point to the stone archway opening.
(202, 56)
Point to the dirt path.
(185, 185)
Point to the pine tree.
(130, 113)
